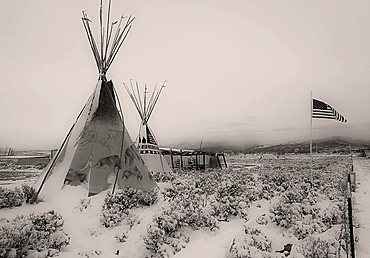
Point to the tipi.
(98, 152)
(146, 141)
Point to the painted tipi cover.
(150, 152)
(98, 152)
(91, 154)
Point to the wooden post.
(196, 162)
(204, 162)
(223, 155)
(218, 161)
(172, 159)
(350, 219)
(181, 163)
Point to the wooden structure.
(194, 159)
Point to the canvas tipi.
(98, 152)
(146, 141)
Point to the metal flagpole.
(311, 113)
(311, 107)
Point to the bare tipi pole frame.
(110, 42)
(145, 106)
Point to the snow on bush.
(89, 253)
(35, 235)
(30, 194)
(253, 244)
(163, 176)
(11, 198)
(331, 215)
(121, 237)
(116, 206)
(132, 220)
(187, 209)
(314, 247)
(16, 197)
(304, 228)
(164, 244)
(262, 220)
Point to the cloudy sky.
(237, 71)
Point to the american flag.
(322, 110)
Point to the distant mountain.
(328, 145)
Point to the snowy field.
(280, 207)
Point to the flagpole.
(311, 113)
(311, 126)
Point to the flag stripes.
(322, 110)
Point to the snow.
(212, 244)
(362, 205)
(89, 238)
(23, 157)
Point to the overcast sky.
(237, 71)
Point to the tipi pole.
(59, 151)
(172, 159)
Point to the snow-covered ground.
(89, 238)
(361, 167)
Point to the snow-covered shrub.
(292, 196)
(183, 187)
(30, 194)
(232, 198)
(305, 228)
(253, 244)
(89, 253)
(332, 215)
(94, 232)
(163, 177)
(285, 215)
(121, 237)
(162, 245)
(116, 206)
(83, 204)
(40, 235)
(11, 198)
(165, 236)
(132, 220)
(262, 220)
(313, 247)
(112, 216)
(154, 239)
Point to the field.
(14, 175)
(261, 206)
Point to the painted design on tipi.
(98, 152)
